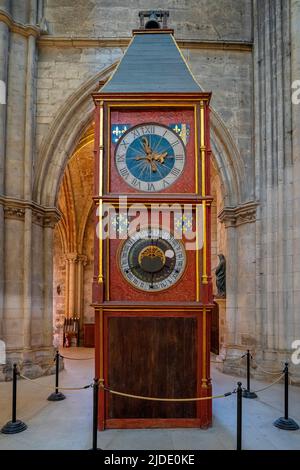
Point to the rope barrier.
(273, 383)
(265, 371)
(77, 358)
(141, 397)
(60, 388)
(233, 359)
(34, 381)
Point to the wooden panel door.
(152, 356)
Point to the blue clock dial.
(150, 157)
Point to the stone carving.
(221, 276)
(16, 208)
(235, 216)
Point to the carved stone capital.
(239, 215)
(16, 208)
(76, 258)
(72, 257)
(83, 259)
(25, 30)
(12, 212)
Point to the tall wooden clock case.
(152, 288)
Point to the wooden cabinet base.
(154, 354)
(154, 423)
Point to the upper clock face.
(150, 157)
(152, 259)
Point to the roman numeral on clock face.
(175, 171)
(145, 157)
(151, 187)
(136, 183)
(148, 129)
(124, 173)
(120, 158)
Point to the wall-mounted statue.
(221, 276)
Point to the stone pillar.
(48, 280)
(223, 326)
(295, 75)
(276, 173)
(71, 282)
(26, 249)
(82, 261)
(239, 308)
(74, 281)
(13, 278)
(27, 287)
(4, 42)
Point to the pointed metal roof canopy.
(152, 63)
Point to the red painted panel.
(183, 290)
(166, 116)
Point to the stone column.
(295, 75)
(223, 334)
(276, 173)
(71, 282)
(27, 287)
(82, 261)
(239, 329)
(48, 280)
(4, 41)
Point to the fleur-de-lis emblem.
(117, 130)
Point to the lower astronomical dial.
(152, 259)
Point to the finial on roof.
(157, 19)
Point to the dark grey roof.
(152, 63)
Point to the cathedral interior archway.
(73, 241)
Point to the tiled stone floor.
(67, 424)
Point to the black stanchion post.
(56, 396)
(239, 394)
(15, 425)
(95, 413)
(285, 422)
(247, 393)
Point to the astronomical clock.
(152, 289)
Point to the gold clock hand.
(146, 146)
(160, 157)
(153, 166)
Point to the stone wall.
(191, 19)
(52, 55)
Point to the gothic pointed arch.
(75, 116)
(72, 119)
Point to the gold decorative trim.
(149, 103)
(101, 345)
(56, 41)
(107, 269)
(196, 151)
(101, 130)
(197, 255)
(168, 310)
(204, 340)
(100, 256)
(192, 200)
(239, 215)
(204, 273)
(15, 27)
(184, 60)
(202, 146)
